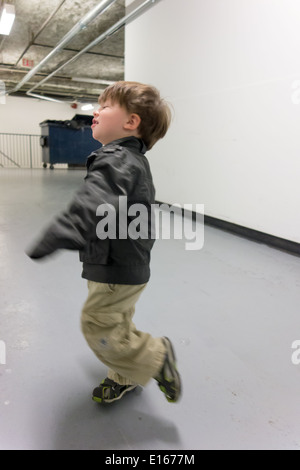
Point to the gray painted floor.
(231, 310)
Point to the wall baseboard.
(251, 234)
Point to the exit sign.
(27, 63)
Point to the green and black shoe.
(169, 379)
(110, 391)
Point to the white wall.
(231, 69)
(23, 115)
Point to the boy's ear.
(133, 122)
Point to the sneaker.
(109, 391)
(169, 379)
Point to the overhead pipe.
(47, 98)
(82, 24)
(113, 29)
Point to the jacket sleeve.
(104, 183)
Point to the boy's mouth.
(94, 123)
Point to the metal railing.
(20, 151)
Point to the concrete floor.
(231, 310)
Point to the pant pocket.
(101, 287)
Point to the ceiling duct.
(99, 9)
(113, 29)
(40, 30)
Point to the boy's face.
(110, 122)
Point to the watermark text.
(2, 352)
(154, 221)
(296, 354)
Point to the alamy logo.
(296, 354)
(2, 352)
(154, 221)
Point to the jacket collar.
(130, 142)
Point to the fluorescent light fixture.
(87, 107)
(7, 18)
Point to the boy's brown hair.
(145, 101)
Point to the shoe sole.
(174, 371)
(105, 400)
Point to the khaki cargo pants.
(133, 357)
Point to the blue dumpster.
(68, 142)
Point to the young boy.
(132, 117)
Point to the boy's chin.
(95, 137)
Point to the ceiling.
(40, 26)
